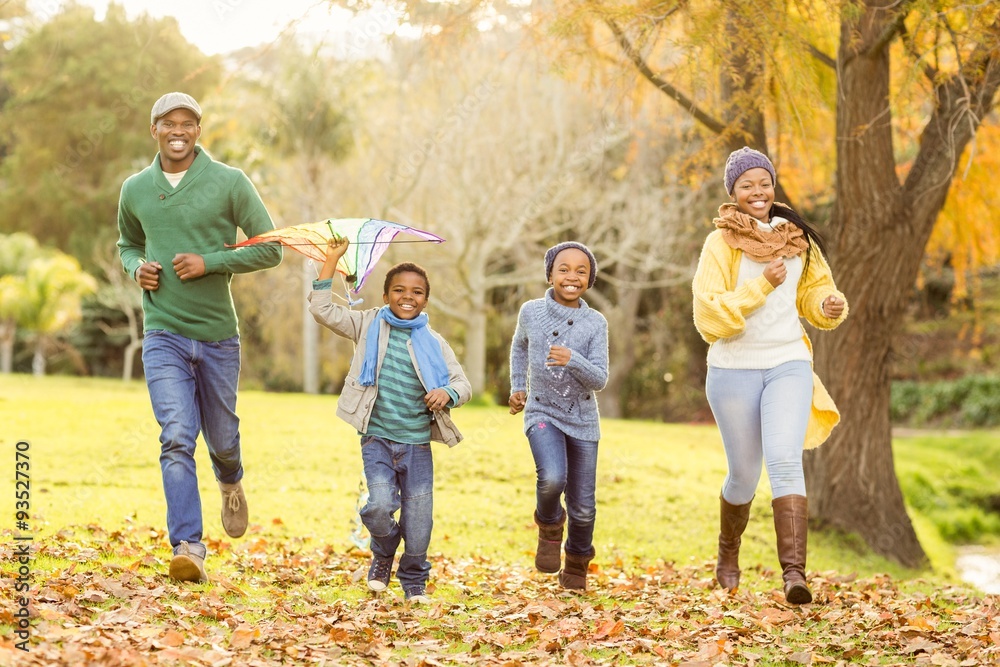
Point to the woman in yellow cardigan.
(761, 270)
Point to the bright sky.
(221, 26)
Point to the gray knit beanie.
(742, 160)
(550, 259)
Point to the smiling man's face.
(176, 133)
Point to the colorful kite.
(368, 238)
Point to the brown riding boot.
(574, 574)
(550, 535)
(791, 514)
(732, 522)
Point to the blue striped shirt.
(400, 413)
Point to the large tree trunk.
(881, 230)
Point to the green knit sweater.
(201, 215)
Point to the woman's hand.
(833, 307)
(776, 272)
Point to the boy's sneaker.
(186, 566)
(235, 515)
(416, 594)
(379, 573)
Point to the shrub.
(971, 402)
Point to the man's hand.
(188, 265)
(148, 276)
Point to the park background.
(507, 127)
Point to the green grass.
(953, 483)
(94, 456)
(291, 591)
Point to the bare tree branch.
(822, 57)
(963, 101)
(683, 100)
(930, 72)
(889, 33)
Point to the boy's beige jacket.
(356, 402)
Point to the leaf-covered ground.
(102, 598)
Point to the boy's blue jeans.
(762, 416)
(566, 464)
(192, 386)
(399, 477)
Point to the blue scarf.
(427, 349)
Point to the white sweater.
(773, 333)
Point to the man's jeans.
(400, 477)
(192, 386)
(565, 464)
(762, 416)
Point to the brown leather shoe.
(235, 515)
(187, 566)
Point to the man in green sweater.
(175, 218)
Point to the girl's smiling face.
(754, 193)
(570, 276)
(407, 295)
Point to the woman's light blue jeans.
(565, 464)
(192, 386)
(400, 477)
(762, 416)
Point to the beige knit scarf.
(741, 232)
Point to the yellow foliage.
(967, 233)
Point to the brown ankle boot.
(550, 535)
(732, 522)
(574, 574)
(791, 514)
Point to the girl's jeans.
(566, 464)
(400, 477)
(762, 415)
(192, 386)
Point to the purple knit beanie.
(550, 259)
(742, 160)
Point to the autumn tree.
(888, 189)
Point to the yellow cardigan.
(720, 310)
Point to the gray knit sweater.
(561, 395)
